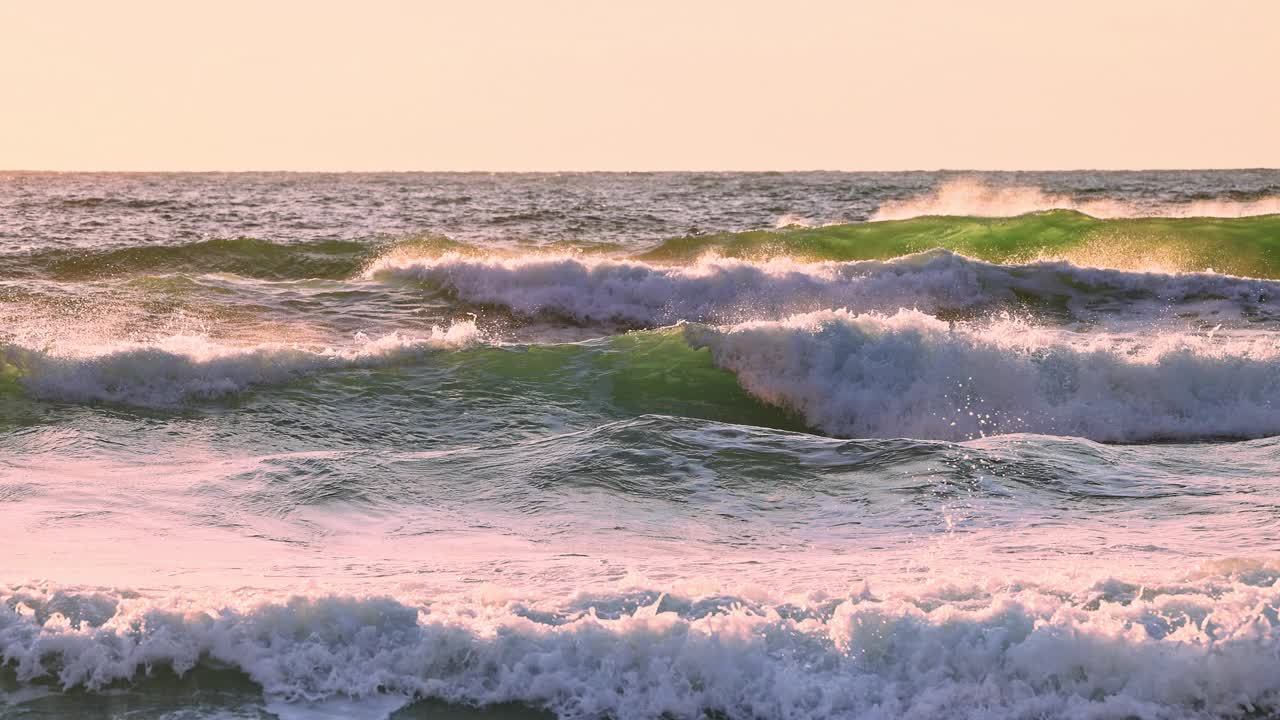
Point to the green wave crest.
(1248, 246)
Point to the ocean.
(674, 445)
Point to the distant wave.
(1198, 648)
(246, 256)
(969, 197)
(1243, 246)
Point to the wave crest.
(1242, 246)
(912, 375)
(716, 289)
(172, 370)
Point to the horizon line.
(31, 171)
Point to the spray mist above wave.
(971, 197)
(911, 375)
(175, 369)
(1195, 647)
(720, 289)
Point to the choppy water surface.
(635, 446)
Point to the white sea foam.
(1204, 647)
(173, 369)
(597, 289)
(975, 198)
(729, 290)
(911, 375)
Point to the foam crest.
(595, 289)
(911, 375)
(720, 289)
(970, 197)
(171, 370)
(1192, 649)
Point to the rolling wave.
(871, 375)
(1245, 246)
(912, 375)
(727, 289)
(176, 369)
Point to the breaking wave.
(176, 369)
(912, 375)
(728, 289)
(1200, 647)
(905, 374)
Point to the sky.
(559, 85)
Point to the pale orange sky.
(665, 84)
